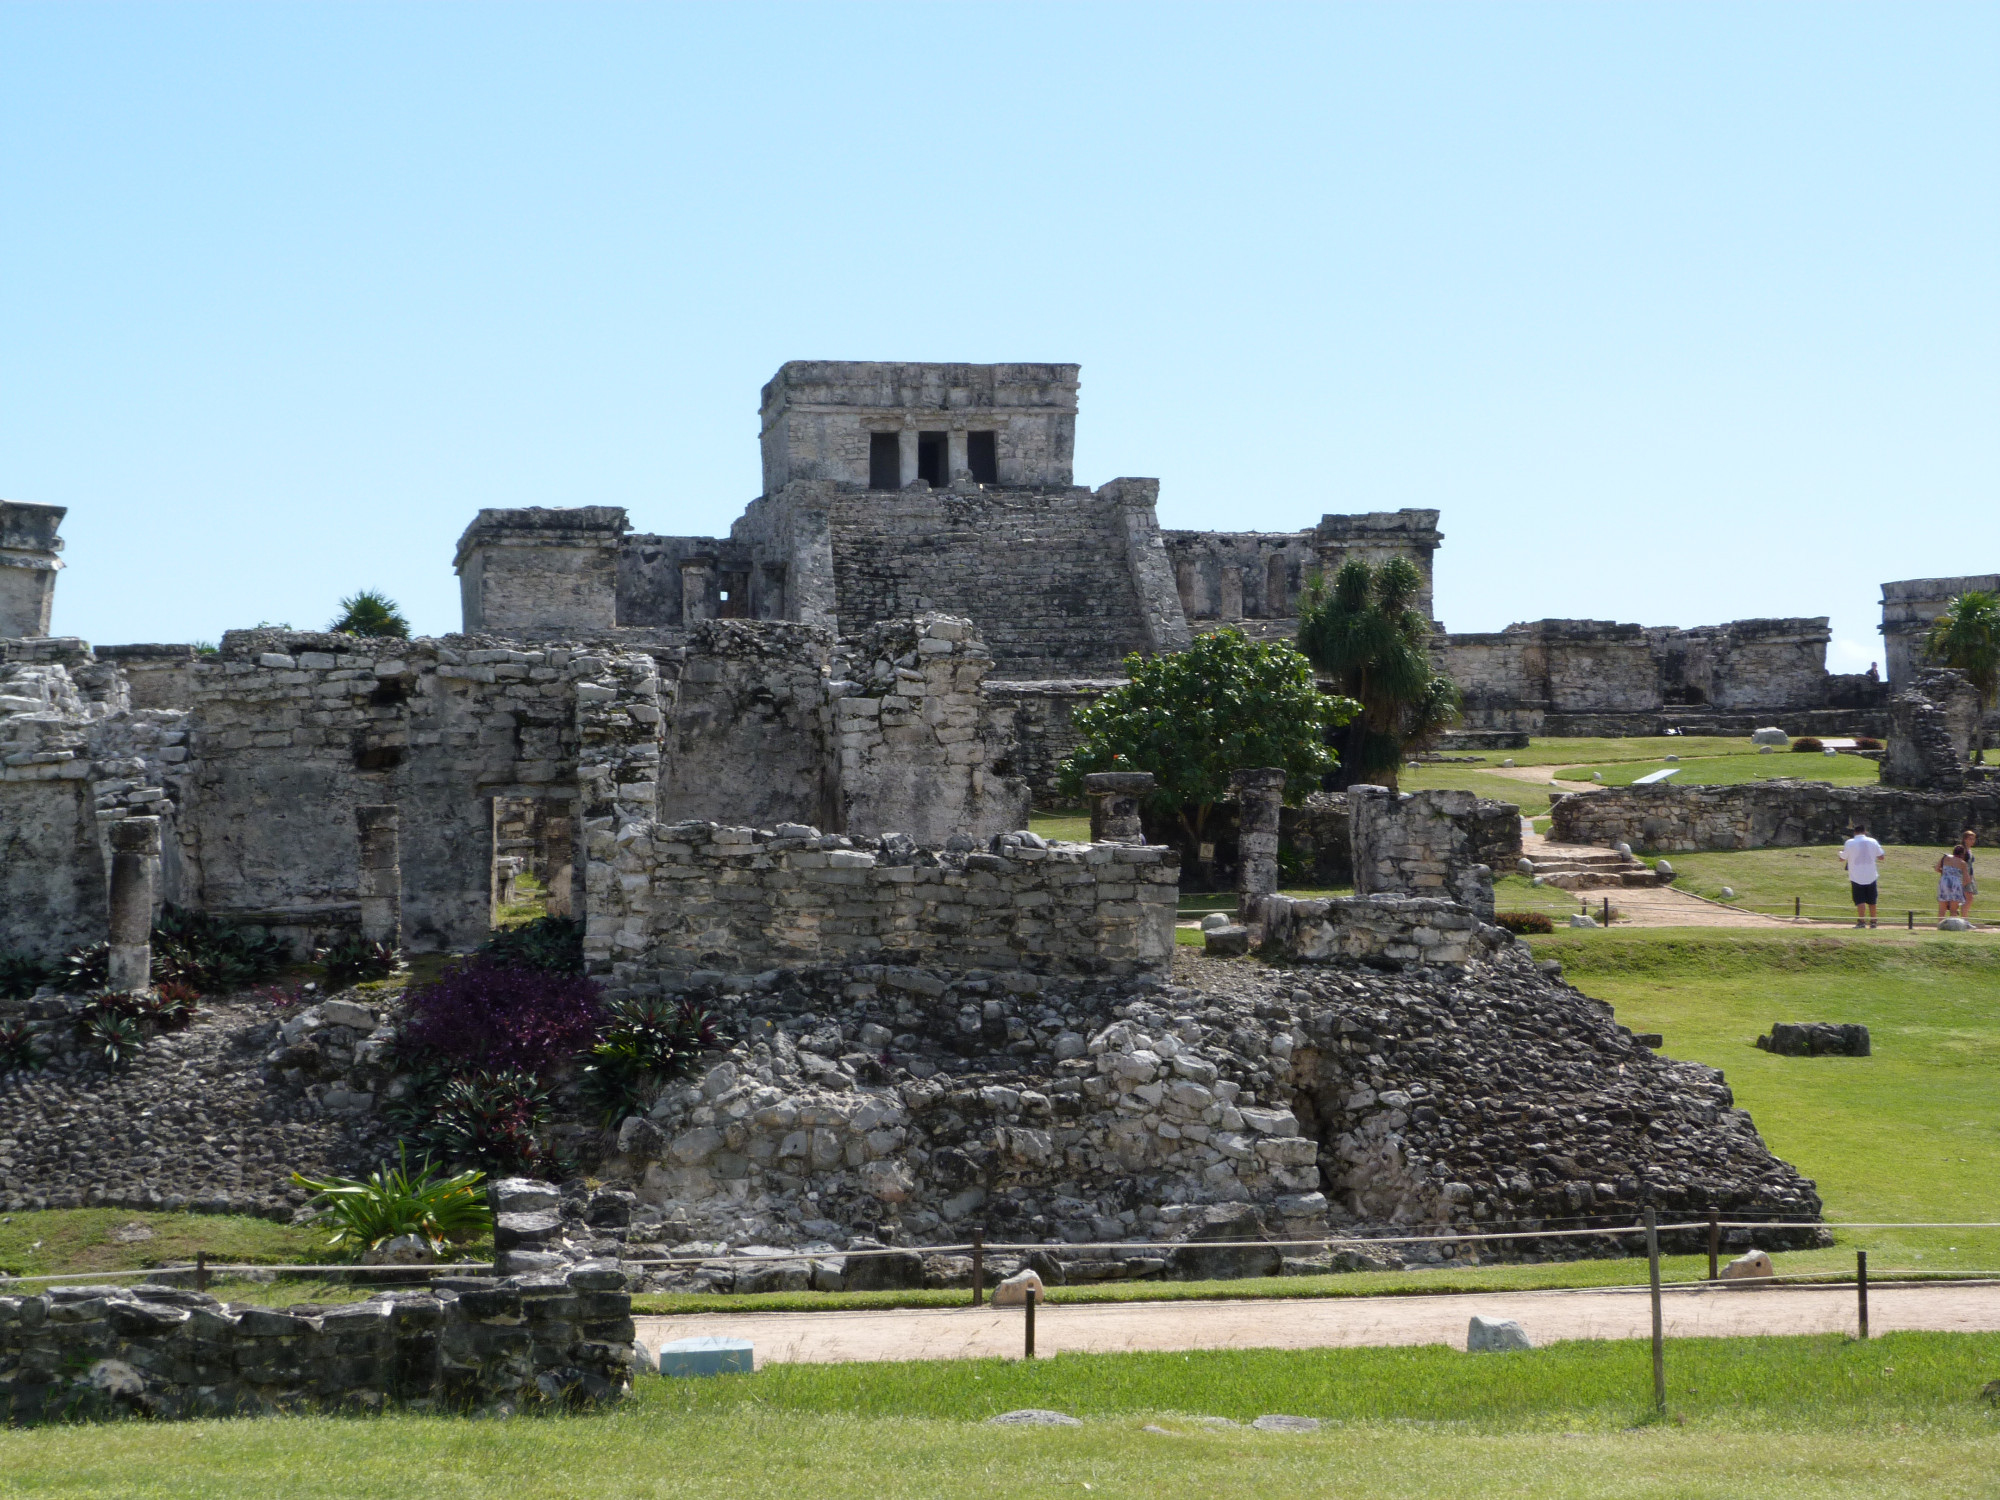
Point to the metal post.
(1913, 921)
(1795, 908)
(1861, 1288)
(1659, 1340)
(1607, 911)
(1714, 1241)
(1031, 1324)
(978, 1265)
(201, 1270)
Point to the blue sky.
(1679, 313)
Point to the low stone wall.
(1404, 929)
(467, 1343)
(1768, 814)
(687, 896)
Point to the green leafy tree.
(1367, 635)
(370, 613)
(1967, 637)
(1191, 718)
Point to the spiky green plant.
(1966, 637)
(370, 612)
(395, 1200)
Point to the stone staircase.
(1590, 870)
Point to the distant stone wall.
(1044, 574)
(158, 676)
(819, 416)
(1032, 726)
(1254, 578)
(915, 756)
(471, 1344)
(1666, 819)
(749, 730)
(536, 571)
(680, 897)
(1596, 677)
(1908, 607)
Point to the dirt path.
(1331, 1322)
(1654, 905)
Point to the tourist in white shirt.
(1862, 855)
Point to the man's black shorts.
(1864, 895)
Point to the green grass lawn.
(1071, 828)
(1768, 879)
(1777, 1418)
(1570, 752)
(1907, 1134)
(1728, 770)
(80, 1239)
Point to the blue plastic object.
(707, 1356)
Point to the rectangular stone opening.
(885, 461)
(982, 456)
(733, 601)
(933, 460)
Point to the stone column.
(135, 874)
(1232, 592)
(1260, 797)
(1114, 805)
(28, 566)
(697, 589)
(956, 467)
(907, 472)
(378, 826)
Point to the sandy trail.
(1332, 1322)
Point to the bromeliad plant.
(495, 1119)
(355, 959)
(650, 1039)
(18, 1052)
(392, 1201)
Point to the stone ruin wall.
(1908, 608)
(1597, 677)
(1934, 721)
(1432, 844)
(818, 418)
(1253, 579)
(1668, 819)
(284, 733)
(917, 753)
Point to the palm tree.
(1966, 637)
(370, 612)
(1366, 633)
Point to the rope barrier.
(1323, 1242)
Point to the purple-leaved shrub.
(479, 1015)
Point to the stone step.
(1600, 880)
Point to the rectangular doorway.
(982, 456)
(933, 459)
(885, 460)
